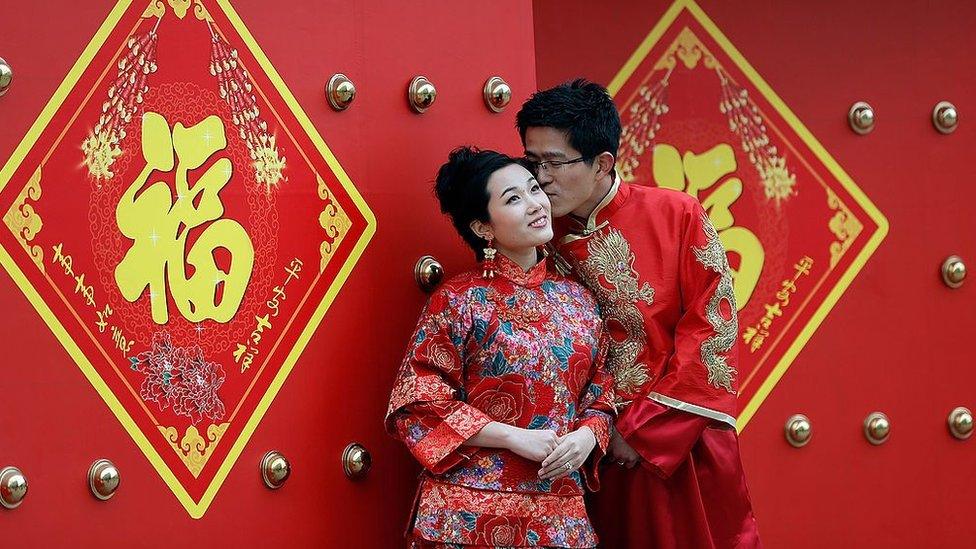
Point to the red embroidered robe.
(663, 281)
(522, 349)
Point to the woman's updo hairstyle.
(462, 189)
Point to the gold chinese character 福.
(161, 226)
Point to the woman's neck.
(523, 257)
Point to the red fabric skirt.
(688, 492)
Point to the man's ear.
(604, 162)
(481, 229)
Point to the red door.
(885, 334)
(348, 193)
(892, 336)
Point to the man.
(662, 277)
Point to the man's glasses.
(553, 165)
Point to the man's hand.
(621, 452)
(569, 455)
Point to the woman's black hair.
(462, 189)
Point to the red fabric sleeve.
(663, 436)
(702, 370)
(425, 411)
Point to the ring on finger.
(568, 466)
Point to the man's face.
(570, 186)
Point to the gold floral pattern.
(201, 12)
(193, 449)
(689, 49)
(611, 259)
(844, 225)
(180, 7)
(24, 221)
(713, 257)
(156, 8)
(335, 222)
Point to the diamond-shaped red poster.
(698, 118)
(182, 228)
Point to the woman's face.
(518, 210)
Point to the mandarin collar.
(514, 272)
(600, 216)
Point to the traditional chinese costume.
(663, 281)
(524, 349)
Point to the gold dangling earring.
(488, 264)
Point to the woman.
(502, 396)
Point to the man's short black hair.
(582, 109)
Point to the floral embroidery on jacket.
(526, 349)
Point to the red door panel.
(895, 341)
(54, 424)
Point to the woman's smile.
(540, 223)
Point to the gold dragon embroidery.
(712, 256)
(610, 256)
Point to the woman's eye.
(536, 188)
(511, 199)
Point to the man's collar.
(599, 217)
